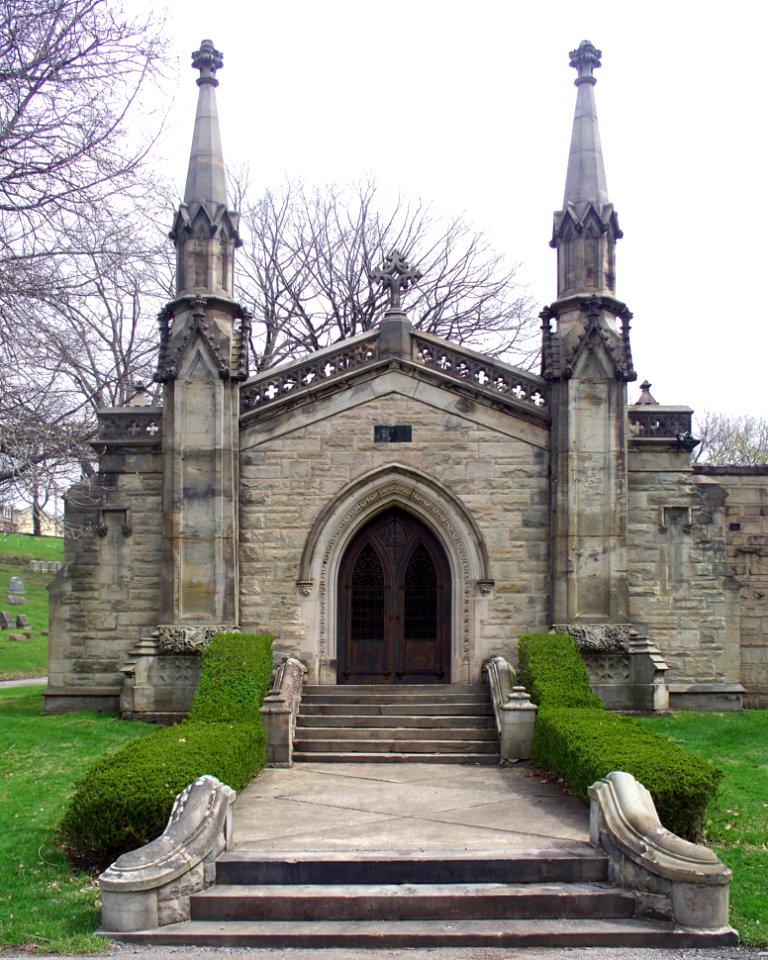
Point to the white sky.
(469, 106)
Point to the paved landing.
(396, 807)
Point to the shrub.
(552, 671)
(237, 669)
(124, 800)
(579, 740)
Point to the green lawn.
(737, 824)
(28, 657)
(27, 547)
(43, 903)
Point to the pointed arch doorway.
(394, 604)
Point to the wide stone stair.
(382, 723)
(540, 898)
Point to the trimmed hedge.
(124, 800)
(235, 679)
(554, 674)
(582, 742)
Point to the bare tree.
(70, 73)
(73, 266)
(80, 345)
(305, 273)
(725, 439)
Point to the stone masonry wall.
(109, 588)
(746, 548)
(293, 466)
(680, 583)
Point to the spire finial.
(396, 276)
(207, 60)
(585, 59)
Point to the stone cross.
(396, 276)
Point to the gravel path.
(130, 952)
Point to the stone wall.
(746, 549)
(681, 585)
(295, 464)
(108, 592)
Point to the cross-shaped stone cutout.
(396, 276)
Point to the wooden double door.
(394, 604)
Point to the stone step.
(372, 722)
(435, 698)
(390, 745)
(411, 901)
(484, 759)
(375, 690)
(453, 708)
(357, 934)
(575, 863)
(305, 732)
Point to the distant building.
(7, 518)
(49, 526)
(14, 520)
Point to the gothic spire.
(585, 180)
(587, 228)
(206, 179)
(204, 230)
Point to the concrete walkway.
(406, 807)
(28, 682)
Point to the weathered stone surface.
(152, 885)
(746, 552)
(303, 624)
(651, 859)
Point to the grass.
(43, 903)
(737, 820)
(27, 547)
(28, 657)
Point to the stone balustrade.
(151, 886)
(280, 709)
(673, 879)
(515, 714)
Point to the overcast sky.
(469, 106)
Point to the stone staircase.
(381, 724)
(539, 898)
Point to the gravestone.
(17, 591)
(6, 620)
(22, 621)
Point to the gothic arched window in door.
(394, 604)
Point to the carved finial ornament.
(396, 276)
(207, 60)
(585, 60)
(645, 394)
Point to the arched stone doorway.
(394, 604)
(350, 511)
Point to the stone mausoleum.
(397, 508)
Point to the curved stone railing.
(515, 714)
(673, 879)
(280, 709)
(151, 886)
